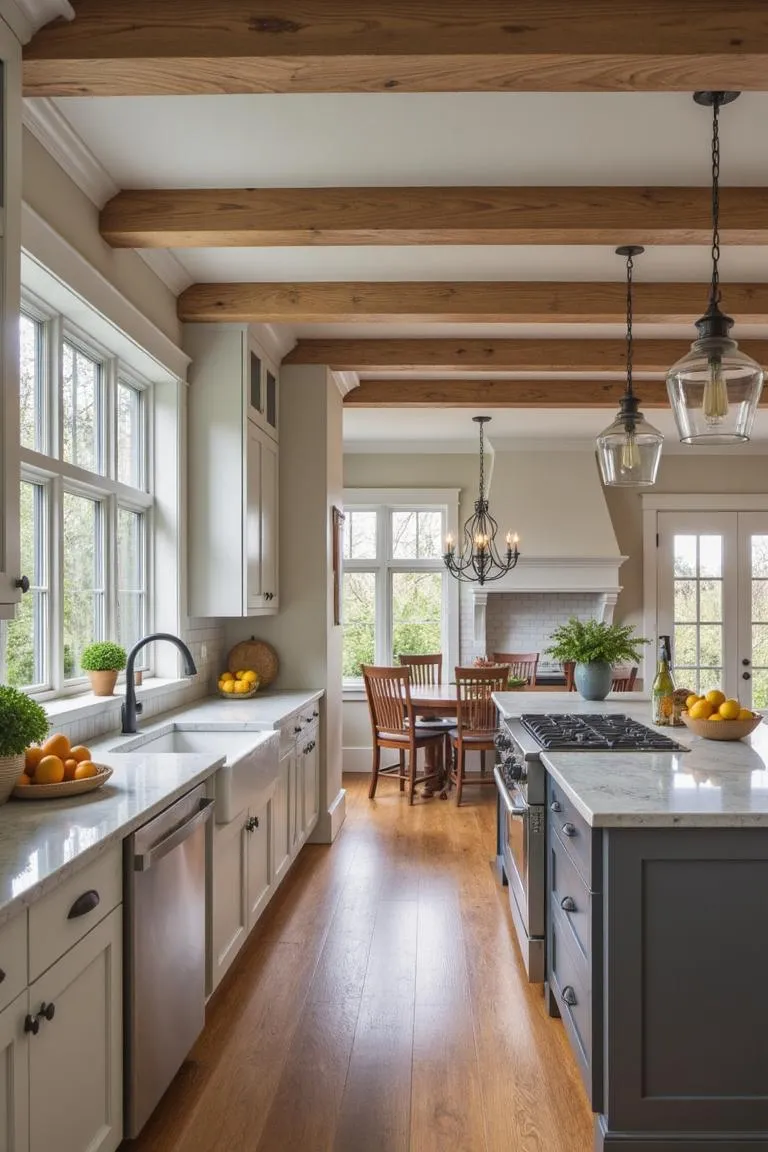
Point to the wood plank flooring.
(381, 1006)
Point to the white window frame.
(384, 501)
(59, 476)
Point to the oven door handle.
(514, 809)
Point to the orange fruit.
(32, 758)
(57, 745)
(730, 709)
(80, 753)
(50, 770)
(715, 697)
(745, 714)
(69, 769)
(85, 770)
(701, 710)
(23, 780)
(717, 716)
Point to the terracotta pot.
(103, 683)
(11, 767)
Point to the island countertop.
(43, 841)
(713, 784)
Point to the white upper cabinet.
(232, 473)
(10, 272)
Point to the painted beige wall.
(53, 195)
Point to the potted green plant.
(594, 648)
(22, 722)
(102, 661)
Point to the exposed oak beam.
(260, 217)
(527, 355)
(500, 394)
(155, 47)
(458, 302)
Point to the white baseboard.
(329, 824)
(356, 759)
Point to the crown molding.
(57, 136)
(346, 381)
(167, 268)
(276, 340)
(26, 16)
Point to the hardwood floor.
(380, 1006)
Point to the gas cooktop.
(587, 733)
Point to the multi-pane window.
(698, 610)
(86, 508)
(395, 588)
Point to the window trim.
(385, 501)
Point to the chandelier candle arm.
(479, 560)
(629, 450)
(714, 390)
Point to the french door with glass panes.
(713, 600)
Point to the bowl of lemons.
(240, 685)
(714, 717)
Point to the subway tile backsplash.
(522, 622)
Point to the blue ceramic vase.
(593, 680)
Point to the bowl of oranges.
(55, 768)
(714, 717)
(239, 685)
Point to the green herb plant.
(592, 642)
(22, 722)
(103, 656)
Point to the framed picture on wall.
(338, 553)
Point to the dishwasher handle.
(142, 861)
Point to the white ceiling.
(432, 139)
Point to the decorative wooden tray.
(66, 788)
(258, 656)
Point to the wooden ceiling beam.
(273, 217)
(523, 355)
(401, 393)
(462, 302)
(160, 47)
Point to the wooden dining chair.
(623, 679)
(476, 719)
(523, 665)
(424, 669)
(394, 726)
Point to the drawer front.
(63, 917)
(574, 833)
(13, 958)
(569, 893)
(290, 732)
(574, 1000)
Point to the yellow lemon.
(717, 716)
(226, 676)
(245, 686)
(730, 710)
(691, 700)
(239, 675)
(228, 686)
(715, 697)
(702, 710)
(250, 676)
(745, 714)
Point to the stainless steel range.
(521, 781)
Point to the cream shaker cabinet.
(14, 1077)
(232, 473)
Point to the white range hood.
(555, 502)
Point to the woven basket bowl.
(239, 695)
(721, 729)
(11, 767)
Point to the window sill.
(71, 708)
(353, 692)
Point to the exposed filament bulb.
(715, 402)
(630, 453)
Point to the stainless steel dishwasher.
(164, 950)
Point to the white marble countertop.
(713, 784)
(44, 841)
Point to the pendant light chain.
(715, 289)
(482, 466)
(630, 266)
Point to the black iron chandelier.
(479, 560)
(714, 390)
(629, 450)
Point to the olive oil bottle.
(663, 692)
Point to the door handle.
(144, 860)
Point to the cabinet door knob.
(315, 714)
(23, 583)
(569, 996)
(568, 904)
(569, 830)
(47, 1011)
(746, 675)
(555, 806)
(84, 904)
(31, 1024)
(297, 729)
(746, 662)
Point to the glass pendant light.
(714, 390)
(630, 449)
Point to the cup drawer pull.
(569, 996)
(2, 975)
(84, 904)
(568, 904)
